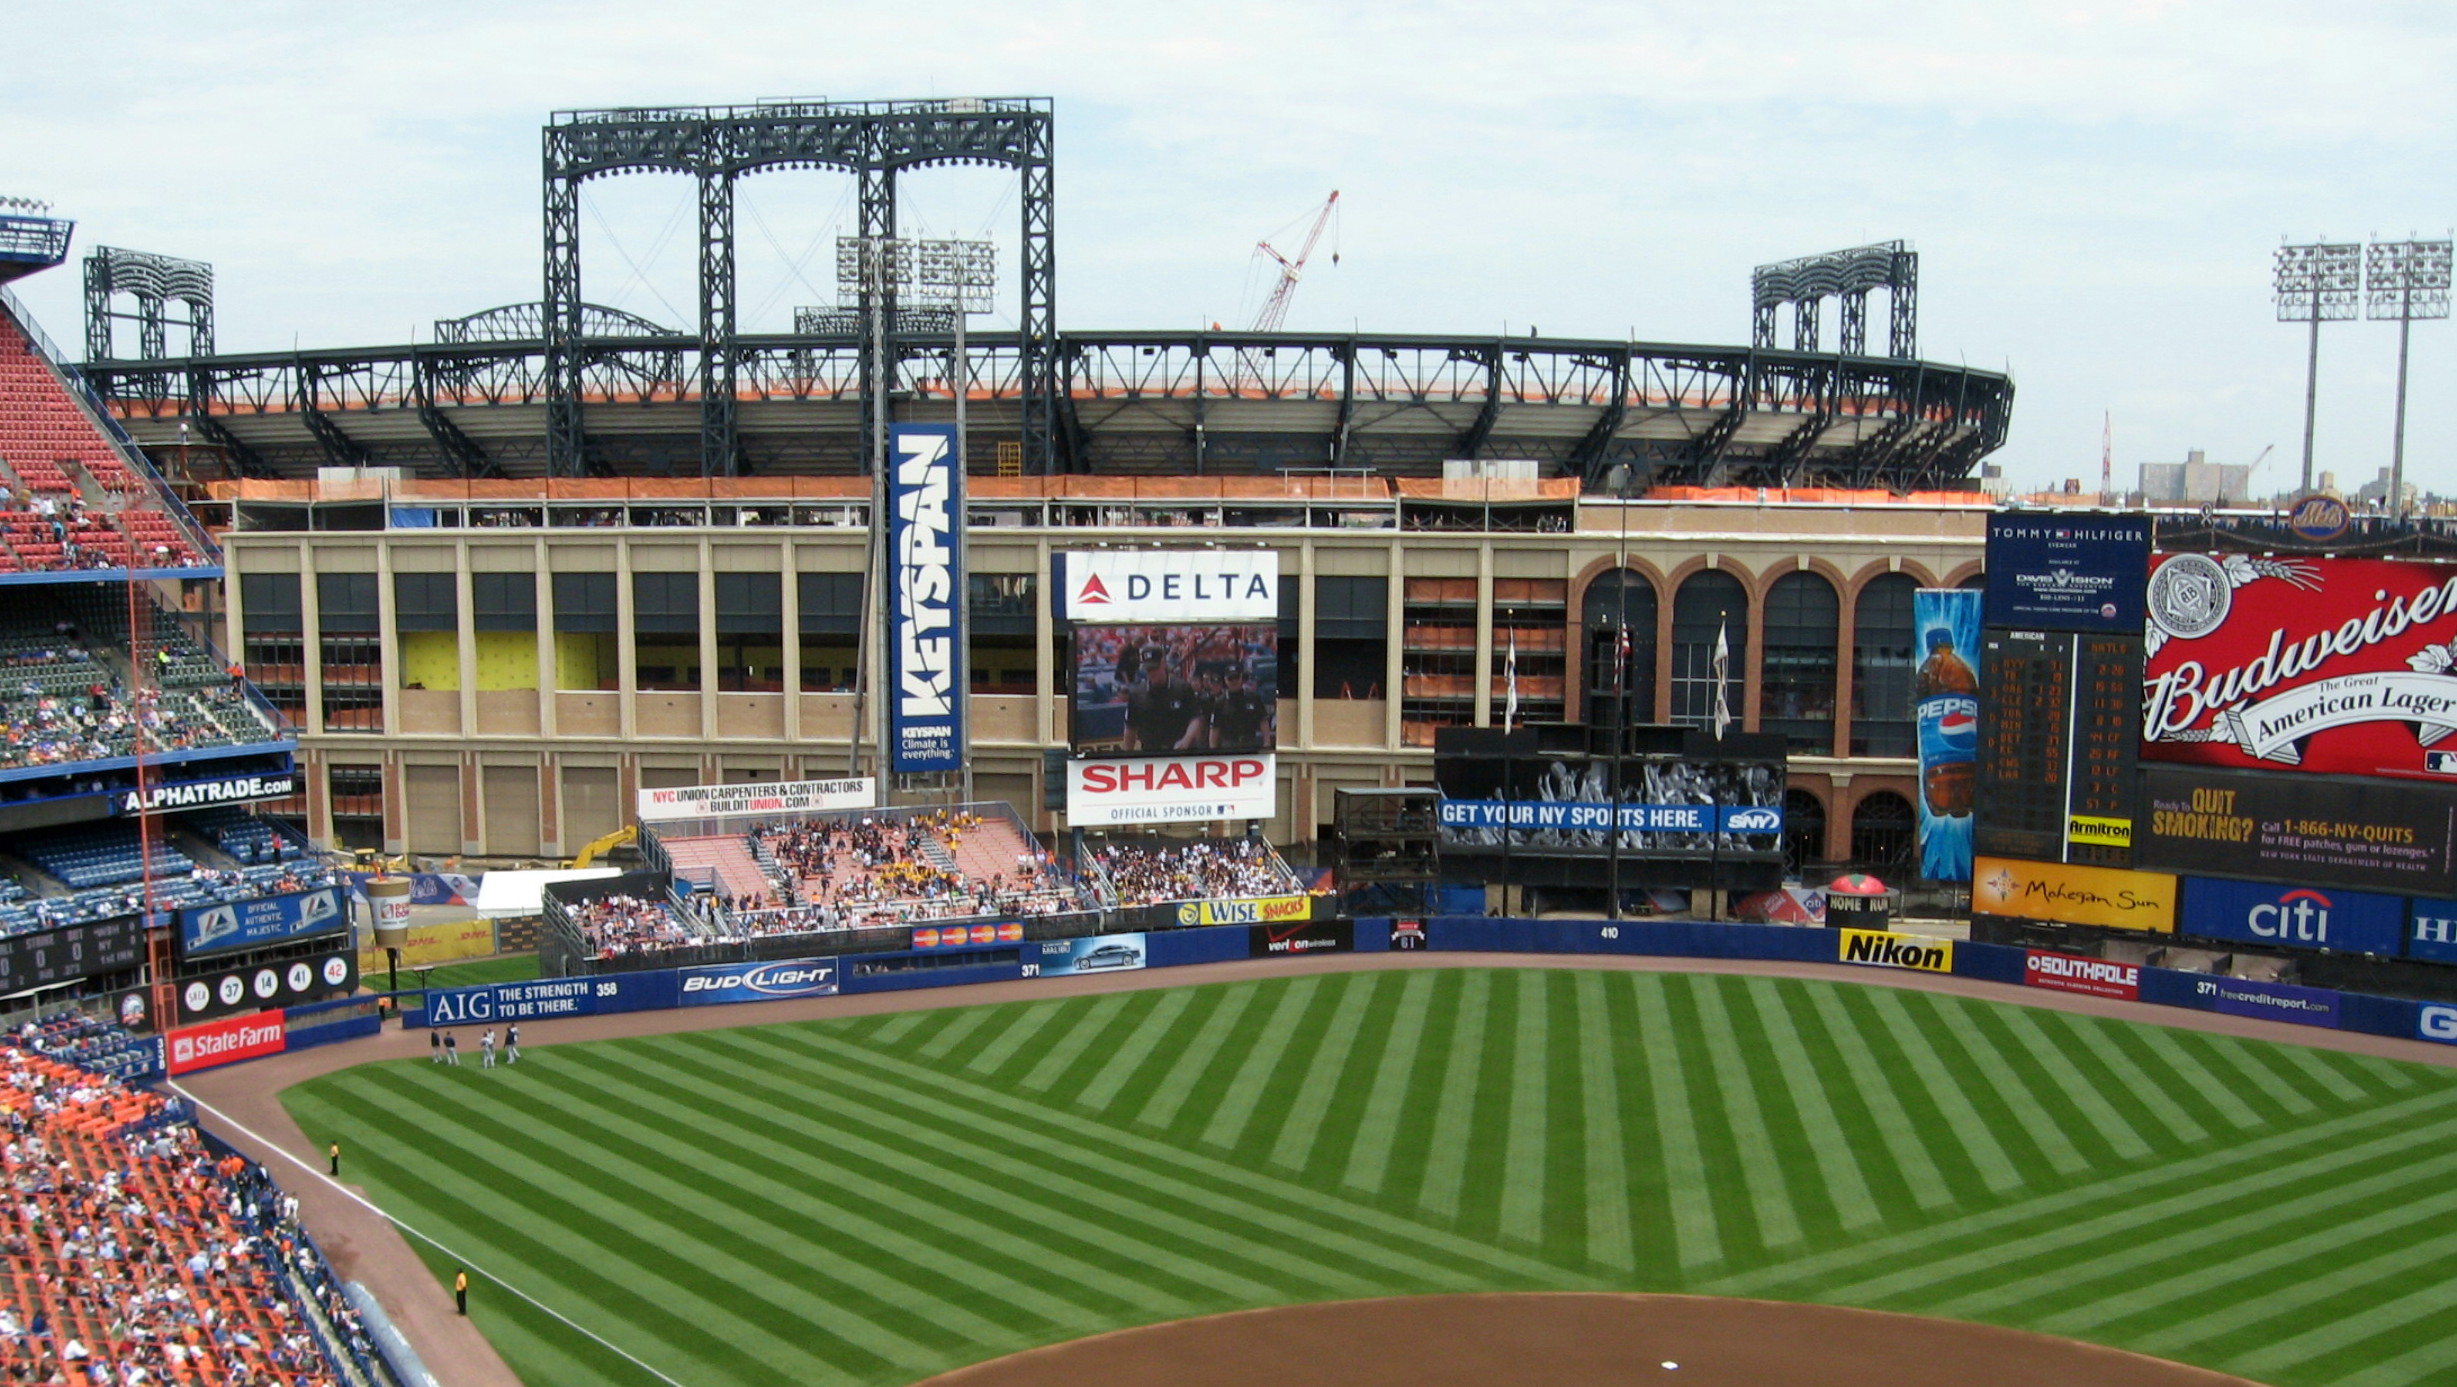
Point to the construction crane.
(1275, 308)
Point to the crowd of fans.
(616, 925)
(1148, 872)
(854, 873)
(139, 1256)
(102, 721)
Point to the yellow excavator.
(620, 837)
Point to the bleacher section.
(65, 680)
(71, 502)
(97, 873)
(1154, 870)
(132, 1251)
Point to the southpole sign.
(2347, 666)
(1183, 586)
(925, 600)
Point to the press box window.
(586, 647)
(750, 632)
(831, 620)
(273, 640)
(349, 621)
(427, 619)
(1351, 637)
(665, 626)
(999, 623)
(503, 616)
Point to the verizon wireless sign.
(226, 1041)
(1189, 586)
(1171, 789)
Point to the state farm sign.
(2344, 666)
(227, 1041)
(1171, 789)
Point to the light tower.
(2404, 281)
(2321, 282)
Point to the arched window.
(1711, 606)
(1882, 664)
(1618, 616)
(1977, 582)
(1881, 834)
(1804, 831)
(1803, 618)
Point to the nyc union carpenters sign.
(925, 599)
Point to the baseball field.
(878, 1198)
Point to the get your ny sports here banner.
(1946, 693)
(2344, 666)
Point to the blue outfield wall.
(551, 998)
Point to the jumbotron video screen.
(1174, 690)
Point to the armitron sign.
(1166, 789)
(2346, 666)
(925, 600)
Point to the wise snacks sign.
(2345, 666)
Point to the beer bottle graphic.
(1948, 707)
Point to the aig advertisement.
(2299, 917)
(925, 600)
(1171, 789)
(1184, 587)
(1947, 706)
(2060, 894)
(215, 929)
(2317, 831)
(2340, 666)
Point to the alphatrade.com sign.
(1171, 789)
(1180, 586)
(1884, 949)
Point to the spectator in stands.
(1144, 873)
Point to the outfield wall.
(911, 969)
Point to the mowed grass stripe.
(641, 1169)
(2263, 1152)
(2127, 1222)
(2321, 1071)
(2433, 1299)
(1761, 1165)
(2136, 1299)
(954, 1033)
(1313, 1217)
(1369, 1154)
(1697, 1239)
(2133, 1085)
(1447, 1148)
(1610, 1241)
(1014, 1040)
(1325, 1073)
(1917, 1039)
(2143, 1248)
(1228, 1008)
(530, 1186)
(1894, 1126)
(1262, 1061)
(2195, 1077)
(1141, 1047)
(576, 1283)
(2080, 1094)
(2298, 1295)
(1069, 1047)
(943, 1186)
(2252, 1064)
(900, 1026)
(1998, 1071)
(1522, 1169)
(877, 1200)
(1838, 1166)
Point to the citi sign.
(2298, 917)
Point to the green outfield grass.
(876, 1199)
(500, 968)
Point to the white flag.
(1510, 676)
(1723, 663)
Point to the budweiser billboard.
(2345, 666)
(227, 1041)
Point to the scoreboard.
(74, 951)
(2060, 723)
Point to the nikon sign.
(1880, 949)
(925, 600)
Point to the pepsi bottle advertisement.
(1946, 704)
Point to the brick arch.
(1965, 573)
(1573, 665)
(1819, 565)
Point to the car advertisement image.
(1096, 953)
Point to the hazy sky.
(2095, 189)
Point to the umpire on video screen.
(1163, 712)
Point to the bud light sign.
(925, 599)
(758, 982)
(1947, 686)
(2297, 917)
